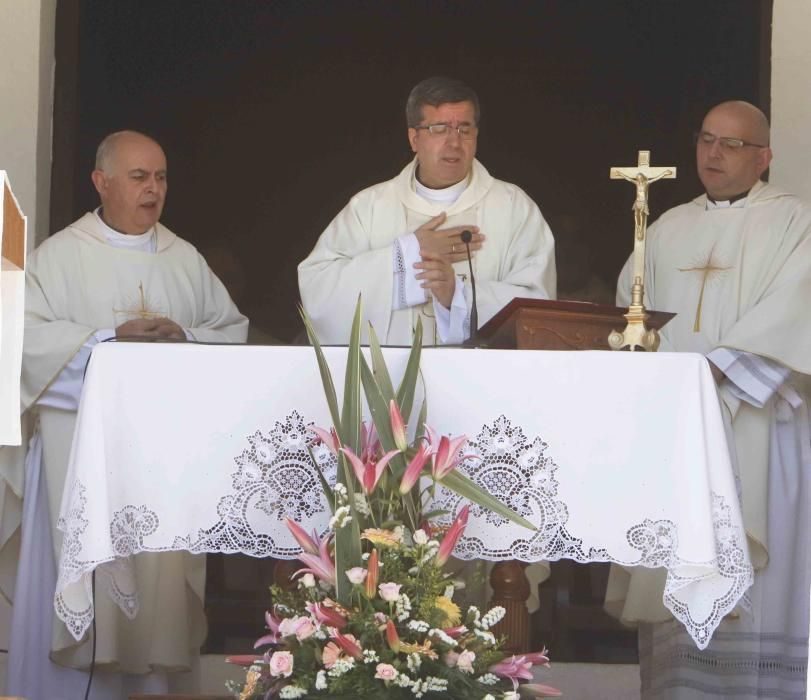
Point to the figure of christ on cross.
(642, 174)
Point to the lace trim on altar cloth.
(278, 476)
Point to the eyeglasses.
(465, 131)
(728, 143)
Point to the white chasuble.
(354, 255)
(76, 283)
(740, 278)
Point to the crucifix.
(636, 334)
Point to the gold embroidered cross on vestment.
(709, 268)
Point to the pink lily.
(307, 543)
(537, 658)
(272, 623)
(373, 569)
(537, 690)
(455, 632)
(348, 644)
(369, 472)
(398, 428)
(412, 473)
(326, 615)
(369, 444)
(392, 637)
(446, 453)
(330, 439)
(319, 565)
(452, 537)
(515, 668)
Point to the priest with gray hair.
(116, 273)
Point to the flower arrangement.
(372, 614)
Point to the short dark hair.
(438, 91)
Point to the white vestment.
(76, 284)
(354, 255)
(739, 278)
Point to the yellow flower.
(384, 538)
(453, 616)
(423, 649)
(252, 683)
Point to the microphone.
(467, 237)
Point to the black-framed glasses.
(465, 131)
(728, 143)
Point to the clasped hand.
(439, 249)
(150, 328)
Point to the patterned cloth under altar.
(615, 457)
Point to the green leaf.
(351, 417)
(461, 484)
(406, 390)
(381, 372)
(328, 493)
(323, 368)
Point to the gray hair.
(106, 149)
(438, 91)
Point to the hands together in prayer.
(447, 242)
(150, 328)
(439, 249)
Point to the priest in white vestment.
(399, 243)
(735, 264)
(115, 273)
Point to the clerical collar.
(736, 202)
(140, 241)
(447, 195)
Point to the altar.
(616, 457)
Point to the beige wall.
(791, 96)
(26, 86)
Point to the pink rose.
(305, 628)
(465, 661)
(385, 672)
(281, 663)
(389, 592)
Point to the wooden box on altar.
(542, 324)
(13, 228)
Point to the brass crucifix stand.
(636, 333)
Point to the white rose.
(385, 672)
(281, 663)
(356, 575)
(389, 592)
(308, 581)
(420, 537)
(465, 661)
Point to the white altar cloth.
(613, 456)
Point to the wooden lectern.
(542, 324)
(13, 229)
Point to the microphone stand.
(473, 340)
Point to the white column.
(26, 84)
(791, 97)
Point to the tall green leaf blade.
(407, 388)
(323, 368)
(351, 417)
(461, 484)
(381, 372)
